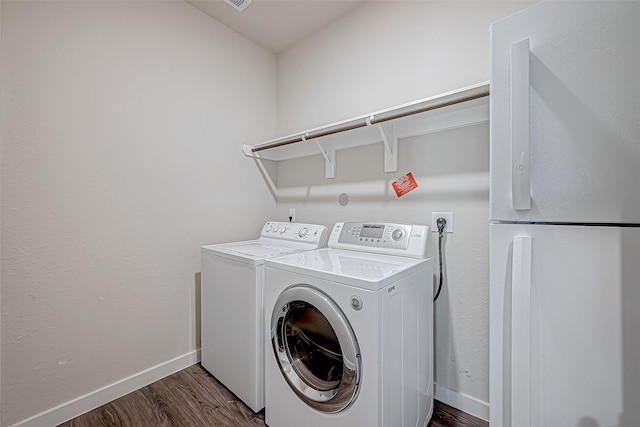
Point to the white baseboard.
(463, 402)
(97, 398)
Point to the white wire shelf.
(462, 107)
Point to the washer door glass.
(316, 349)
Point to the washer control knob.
(303, 231)
(268, 228)
(397, 234)
(282, 230)
(356, 302)
(275, 228)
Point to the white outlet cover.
(448, 216)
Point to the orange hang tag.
(404, 184)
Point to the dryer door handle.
(277, 335)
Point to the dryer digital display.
(372, 231)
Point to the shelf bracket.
(330, 159)
(246, 149)
(390, 147)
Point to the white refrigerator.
(565, 216)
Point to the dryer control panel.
(381, 237)
(295, 231)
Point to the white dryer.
(350, 330)
(232, 307)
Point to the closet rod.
(371, 120)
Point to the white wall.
(380, 55)
(383, 54)
(121, 132)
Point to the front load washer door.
(316, 349)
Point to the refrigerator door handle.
(521, 332)
(519, 109)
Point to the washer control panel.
(381, 237)
(310, 233)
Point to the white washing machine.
(350, 330)
(232, 308)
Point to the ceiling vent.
(238, 5)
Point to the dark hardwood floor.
(193, 398)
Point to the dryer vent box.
(238, 5)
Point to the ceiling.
(277, 24)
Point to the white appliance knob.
(397, 234)
(356, 302)
(303, 231)
(268, 228)
(282, 230)
(275, 228)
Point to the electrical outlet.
(292, 215)
(448, 216)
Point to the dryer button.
(356, 303)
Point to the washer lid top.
(276, 238)
(262, 249)
(256, 251)
(359, 269)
